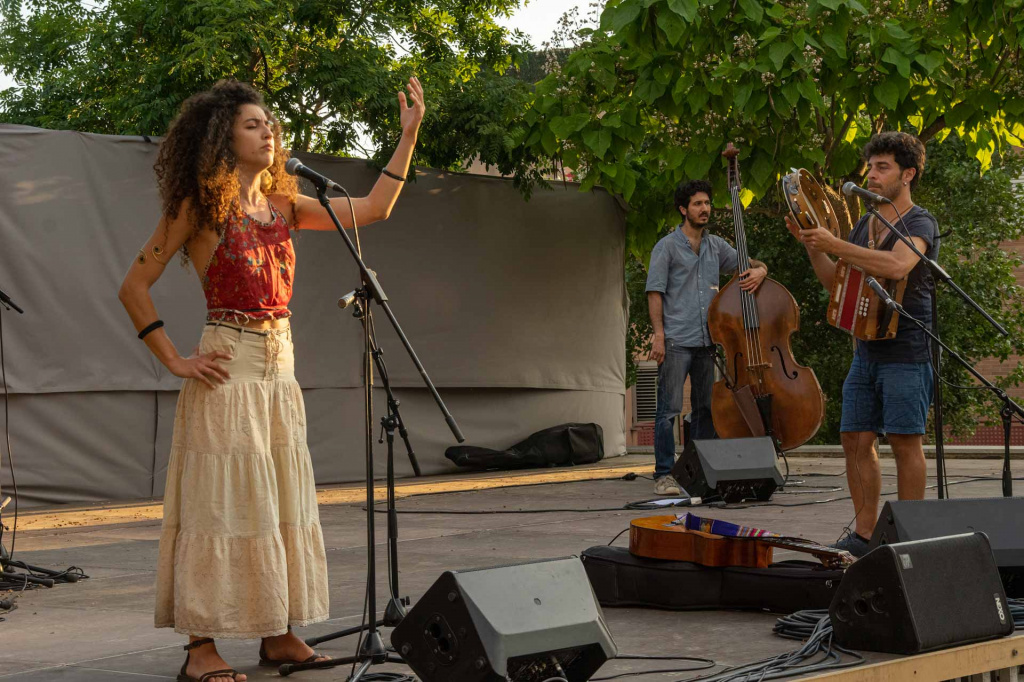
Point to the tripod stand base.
(372, 652)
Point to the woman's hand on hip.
(202, 366)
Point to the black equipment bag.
(621, 579)
(562, 445)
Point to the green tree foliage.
(657, 90)
(329, 68)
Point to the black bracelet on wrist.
(392, 175)
(153, 327)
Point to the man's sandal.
(185, 677)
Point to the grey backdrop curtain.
(517, 309)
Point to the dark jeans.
(680, 361)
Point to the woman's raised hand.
(412, 108)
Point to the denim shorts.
(887, 397)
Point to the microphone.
(880, 292)
(851, 188)
(296, 167)
(348, 299)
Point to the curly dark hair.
(686, 190)
(905, 148)
(195, 161)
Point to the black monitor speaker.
(1000, 518)
(525, 622)
(912, 597)
(734, 469)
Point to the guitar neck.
(829, 556)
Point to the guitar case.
(621, 579)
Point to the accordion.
(852, 305)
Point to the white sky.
(539, 17)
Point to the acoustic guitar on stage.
(688, 537)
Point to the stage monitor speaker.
(1000, 518)
(735, 469)
(525, 622)
(912, 597)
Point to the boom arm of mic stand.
(937, 270)
(377, 293)
(1009, 406)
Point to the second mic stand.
(939, 273)
(1010, 408)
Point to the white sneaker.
(666, 485)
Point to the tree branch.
(999, 67)
(932, 130)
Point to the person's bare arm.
(169, 236)
(824, 267)
(377, 205)
(895, 264)
(654, 308)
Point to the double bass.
(763, 392)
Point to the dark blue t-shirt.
(911, 344)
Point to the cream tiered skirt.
(241, 550)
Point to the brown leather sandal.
(185, 677)
(270, 662)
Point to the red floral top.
(251, 270)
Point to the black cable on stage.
(619, 535)
(644, 505)
(818, 653)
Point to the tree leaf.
(687, 9)
(810, 92)
(753, 10)
(565, 126)
(778, 53)
(697, 98)
(888, 93)
(894, 56)
(834, 36)
(673, 26)
(622, 14)
(741, 95)
(791, 91)
(598, 141)
(649, 90)
(930, 61)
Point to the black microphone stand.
(35, 575)
(939, 273)
(372, 650)
(1010, 408)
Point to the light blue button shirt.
(688, 282)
